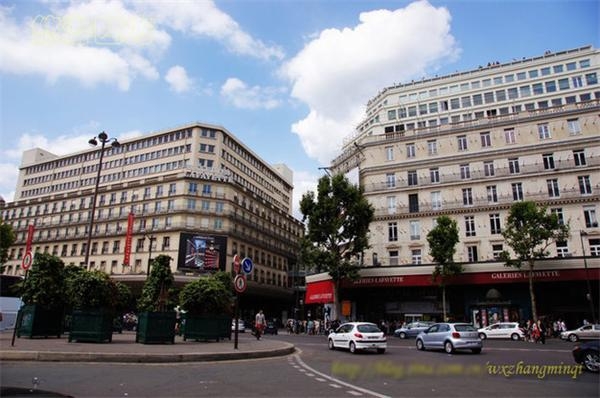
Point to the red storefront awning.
(319, 292)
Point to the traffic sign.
(239, 283)
(236, 264)
(247, 265)
(27, 261)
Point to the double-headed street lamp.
(587, 278)
(103, 138)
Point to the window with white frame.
(574, 127)
(492, 193)
(513, 166)
(416, 256)
(467, 194)
(544, 131)
(495, 227)
(517, 191)
(553, 189)
(470, 226)
(472, 253)
(589, 214)
(497, 250)
(509, 136)
(436, 200)
(465, 171)
(410, 150)
(579, 157)
(585, 186)
(434, 174)
(558, 212)
(391, 204)
(393, 254)
(562, 249)
(594, 247)
(488, 168)
(548, 159)
(412, 178)
(415, 230)
(393, 232)
(389, 152)
(462, 142)
(486, 140)
(432, 147)
(390, 180)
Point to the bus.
(10, 302)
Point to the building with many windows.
(195, 193)
(469, 145)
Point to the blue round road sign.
(247, 265)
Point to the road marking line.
(335, 386)
(320, 379)
(355, 393)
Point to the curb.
(48, 356)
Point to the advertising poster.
(202, 253)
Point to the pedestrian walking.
(259, 324)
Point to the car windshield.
(367, 328)
(464, 328)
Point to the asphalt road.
(504, 368)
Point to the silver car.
(356, 336)
(584, 332)
(450, 337)
(412, 329)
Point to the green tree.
(7, 239)
(155, 293)
(207, 295)
(338, 223)
(529, 231)
(45, 283)
(442, 241)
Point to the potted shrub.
(207, 302)
(93, 298)
(43, 295)
(156, 323)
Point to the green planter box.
(156, 327)
(206, 327)
(94, 326)
(36, 321)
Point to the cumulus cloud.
(238, 93)
(303, 182)
(339, 70)
(178, 79)
(203, 18)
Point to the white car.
(502, 330)
(584, 332)
(356, 336)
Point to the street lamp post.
(587, 278)
(151, 238)
(103, 138)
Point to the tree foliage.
(442, 240)
(88, 290)
(45, 282)
(529, 231)
(207, 295)
(155, 293)
(7, 239)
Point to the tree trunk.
(336, 302)
(532, 293)
(444, 303)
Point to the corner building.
(469, 145)
(195, 193)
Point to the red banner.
(128, 240)
(319, 293)
(30, 231)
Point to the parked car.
(412, 329)
(356, 336)
(271, 328)
(241, 326)
(584, 332)
(450, 337)
(502, 330)
(587, 355)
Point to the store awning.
(319, 292)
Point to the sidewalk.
(123, 348)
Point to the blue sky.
(289, 78)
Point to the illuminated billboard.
(202, 253)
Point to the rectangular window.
(486, 140)
(415, 230)
(495, 227)
(509, 136)
(454, 103)
(497, 250)
(470, 226)
(413, 203)
(472, 253)
(550, 86)
(193, 187)
(577, 82)
(434, 174)
(467, 194)
(585, 186)
(462, 142)
(594, 247)
(393, 257)
(500, 95)
(465, 171)
(525, 91)
(389, 152)
(488, 168)
(562, 249)
(558, 212)
(579, 157)
(553, 189)
(390, 180)
(477, 99)
(412, 178)
(488, 97)
(543, 131)
(591, 79)
(538, 89)
(410, 150)
(574, 127)
(513, 165)
(391, 204)
(548, 161)
(392, 114)
(513, 93)
(589, 214)
(393, 232)
(436, 200)
(517, 191)
(563, 84)
(432, 147)
(465, 102)
(416, 256)
(492, 194)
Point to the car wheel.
(591, 361)
(515, 337)
(448, 347)
(573, 338)
(482, 336)
(476, 350)
(402, 335)
(420, 345)
(352, 347)
(380, 350)
(331, 345)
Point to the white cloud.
(303, 182)
(178, 79)
(243, 96)
(203, 18)
(337, 72)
